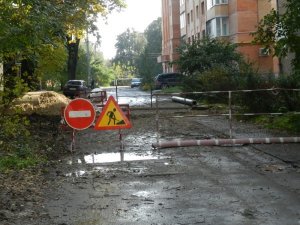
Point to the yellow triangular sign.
(112, 117)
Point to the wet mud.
(105, 181)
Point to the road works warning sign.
(112, 117)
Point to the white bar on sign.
(80, 114)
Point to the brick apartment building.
(171, 37)
(234, 20)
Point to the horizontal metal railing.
(230, 113)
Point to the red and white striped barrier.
(225, 142)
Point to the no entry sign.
(79, 114)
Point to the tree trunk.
(72, 47)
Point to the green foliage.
(100, 70)
(147, 63)
(9, 94)
(130, 45)
(14, 134)
(51, 66)
(29, 28)
(14, 162)
(209, 64)
(104, 75)
(146, 86)
(174, 89)
(268, 101)
(280, 31)
(25, 25)
(204, 54)
(289, 122)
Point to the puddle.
(143, 194)
(113, 157)
(133, 99)
(117, 157)
(79, 173)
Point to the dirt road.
(100, 185)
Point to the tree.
(130, 44)
(280, 32)
(101, 72)
(52, 67)
(147, 63)
(208, 61)
(25, 26)
(80, 17)
(205, 54)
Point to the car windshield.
(74, 82)
(136, 80)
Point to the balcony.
(217, 11)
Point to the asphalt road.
(99, 184)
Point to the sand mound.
(42, 103)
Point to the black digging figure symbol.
(112, 117)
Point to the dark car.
(75, 88)
(165, 80)
(136, 82)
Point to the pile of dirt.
(47, 103)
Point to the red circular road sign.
(80, 114)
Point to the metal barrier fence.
(229, 115)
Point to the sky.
(138, 15)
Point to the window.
(211, 3)
(224, 25)
(182, 21)
(188, 18)
(209, 28)
(217, 27)
(192, 16)
(197, 11)
(202, 8)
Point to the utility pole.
(88, 57)
(279, 57)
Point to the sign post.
(79, 115)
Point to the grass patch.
(175, 89)
(15, 162)
(287, 122)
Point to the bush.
(291, 99)
(14, 134)
(288, 122)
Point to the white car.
(135, 82)
(98, 95)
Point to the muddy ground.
(99, 184)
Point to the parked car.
(136, 82)
(76, 88)
(165, 80)
(98, 95)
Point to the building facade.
(233, 20)
(170, 34)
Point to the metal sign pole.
(117, 90)
(156, 119)
(73, 140)
(151, 96)
(230, 114)
(120, 132)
